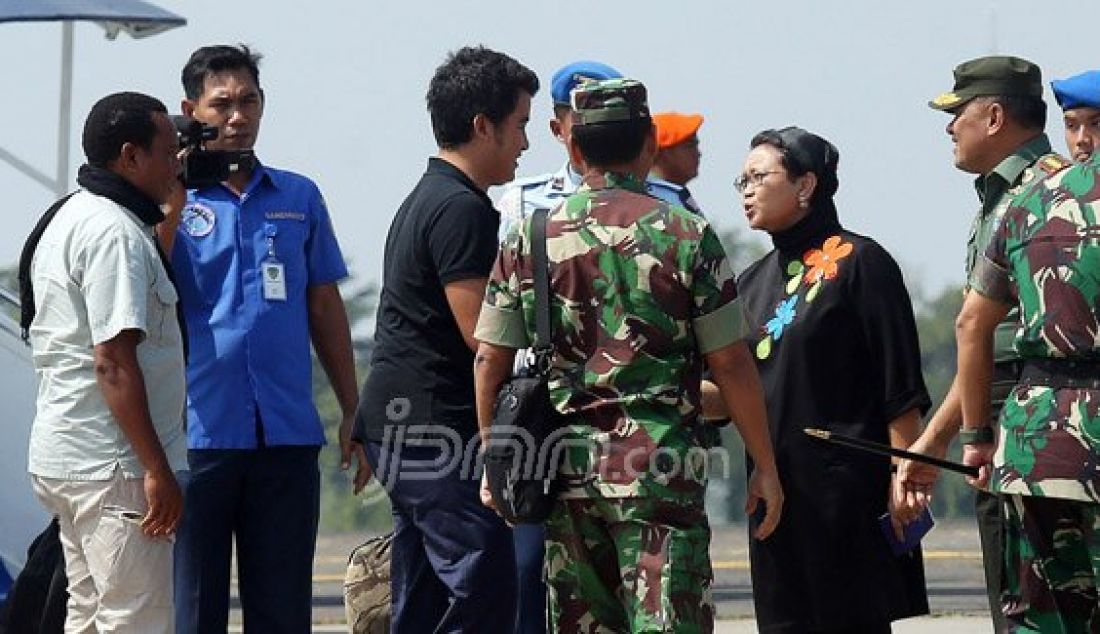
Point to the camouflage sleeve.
(718, 316)
(992, 280)
(501, 320)
(991, 275)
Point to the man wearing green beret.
(641, 294)
(998, 115)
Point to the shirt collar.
(442, 167)
(1007, 173)
(663, 183)
(608, 180)
(570, 175)
(259, 174)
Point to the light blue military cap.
(1079, 91)
(568, 76)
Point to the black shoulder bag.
(521, 460)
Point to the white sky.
(345, 83)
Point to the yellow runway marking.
(743, 564)
(938, 555)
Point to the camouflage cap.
(1000, 75)
(608, 101)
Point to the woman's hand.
(764, 487)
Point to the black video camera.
(202, 168)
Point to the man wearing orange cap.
(677, 161)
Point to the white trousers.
(119, 579)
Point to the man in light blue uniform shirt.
(1079, 98)
(523, 197)
(257, 264)
(677, 161)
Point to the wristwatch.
(976, 435)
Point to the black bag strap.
(26, 289)
(544, 345)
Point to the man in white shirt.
(108, 352)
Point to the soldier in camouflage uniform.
(1043, 260)
(998, 116)
(521, 198)
(641, 293)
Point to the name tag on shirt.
(274, 281)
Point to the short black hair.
(473, 81)
(124, 117)
(1029, 112)
(216, 59)
(801, 152)
(613, 142)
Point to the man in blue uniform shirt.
(257, 265)
(677, 161)
(1079, 97)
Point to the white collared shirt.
(96, 272)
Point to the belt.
(1007, 371)
(1057, 373)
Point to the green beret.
(996, 75)
(608, 101)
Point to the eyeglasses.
(756, 179)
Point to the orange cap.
(674, 127)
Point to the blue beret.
(1079, 91)
(568, 76)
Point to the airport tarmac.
(953, 573)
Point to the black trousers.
(990, 514)
(453, 565)
(269, 499)
(989, 509)
(530, 544)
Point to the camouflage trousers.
(1052, 565)
(629, 565)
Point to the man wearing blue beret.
(523, 197)
(1079, 97)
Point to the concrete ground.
(925, 625)
(928, 625)
(953, 574)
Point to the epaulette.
(1051, 164)
(528, 182)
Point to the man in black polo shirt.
(453, 565)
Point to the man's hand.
(764, 487)
(162, 494)
(912, 487)
(171, 208)
(349, 447)
(486, 495)
(981, 456)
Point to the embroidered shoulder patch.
(1051, 164)
(197, 220)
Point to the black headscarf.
(805, 152)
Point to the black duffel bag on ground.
(521, 460)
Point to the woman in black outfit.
(837, 349)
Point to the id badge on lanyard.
(272, 270)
